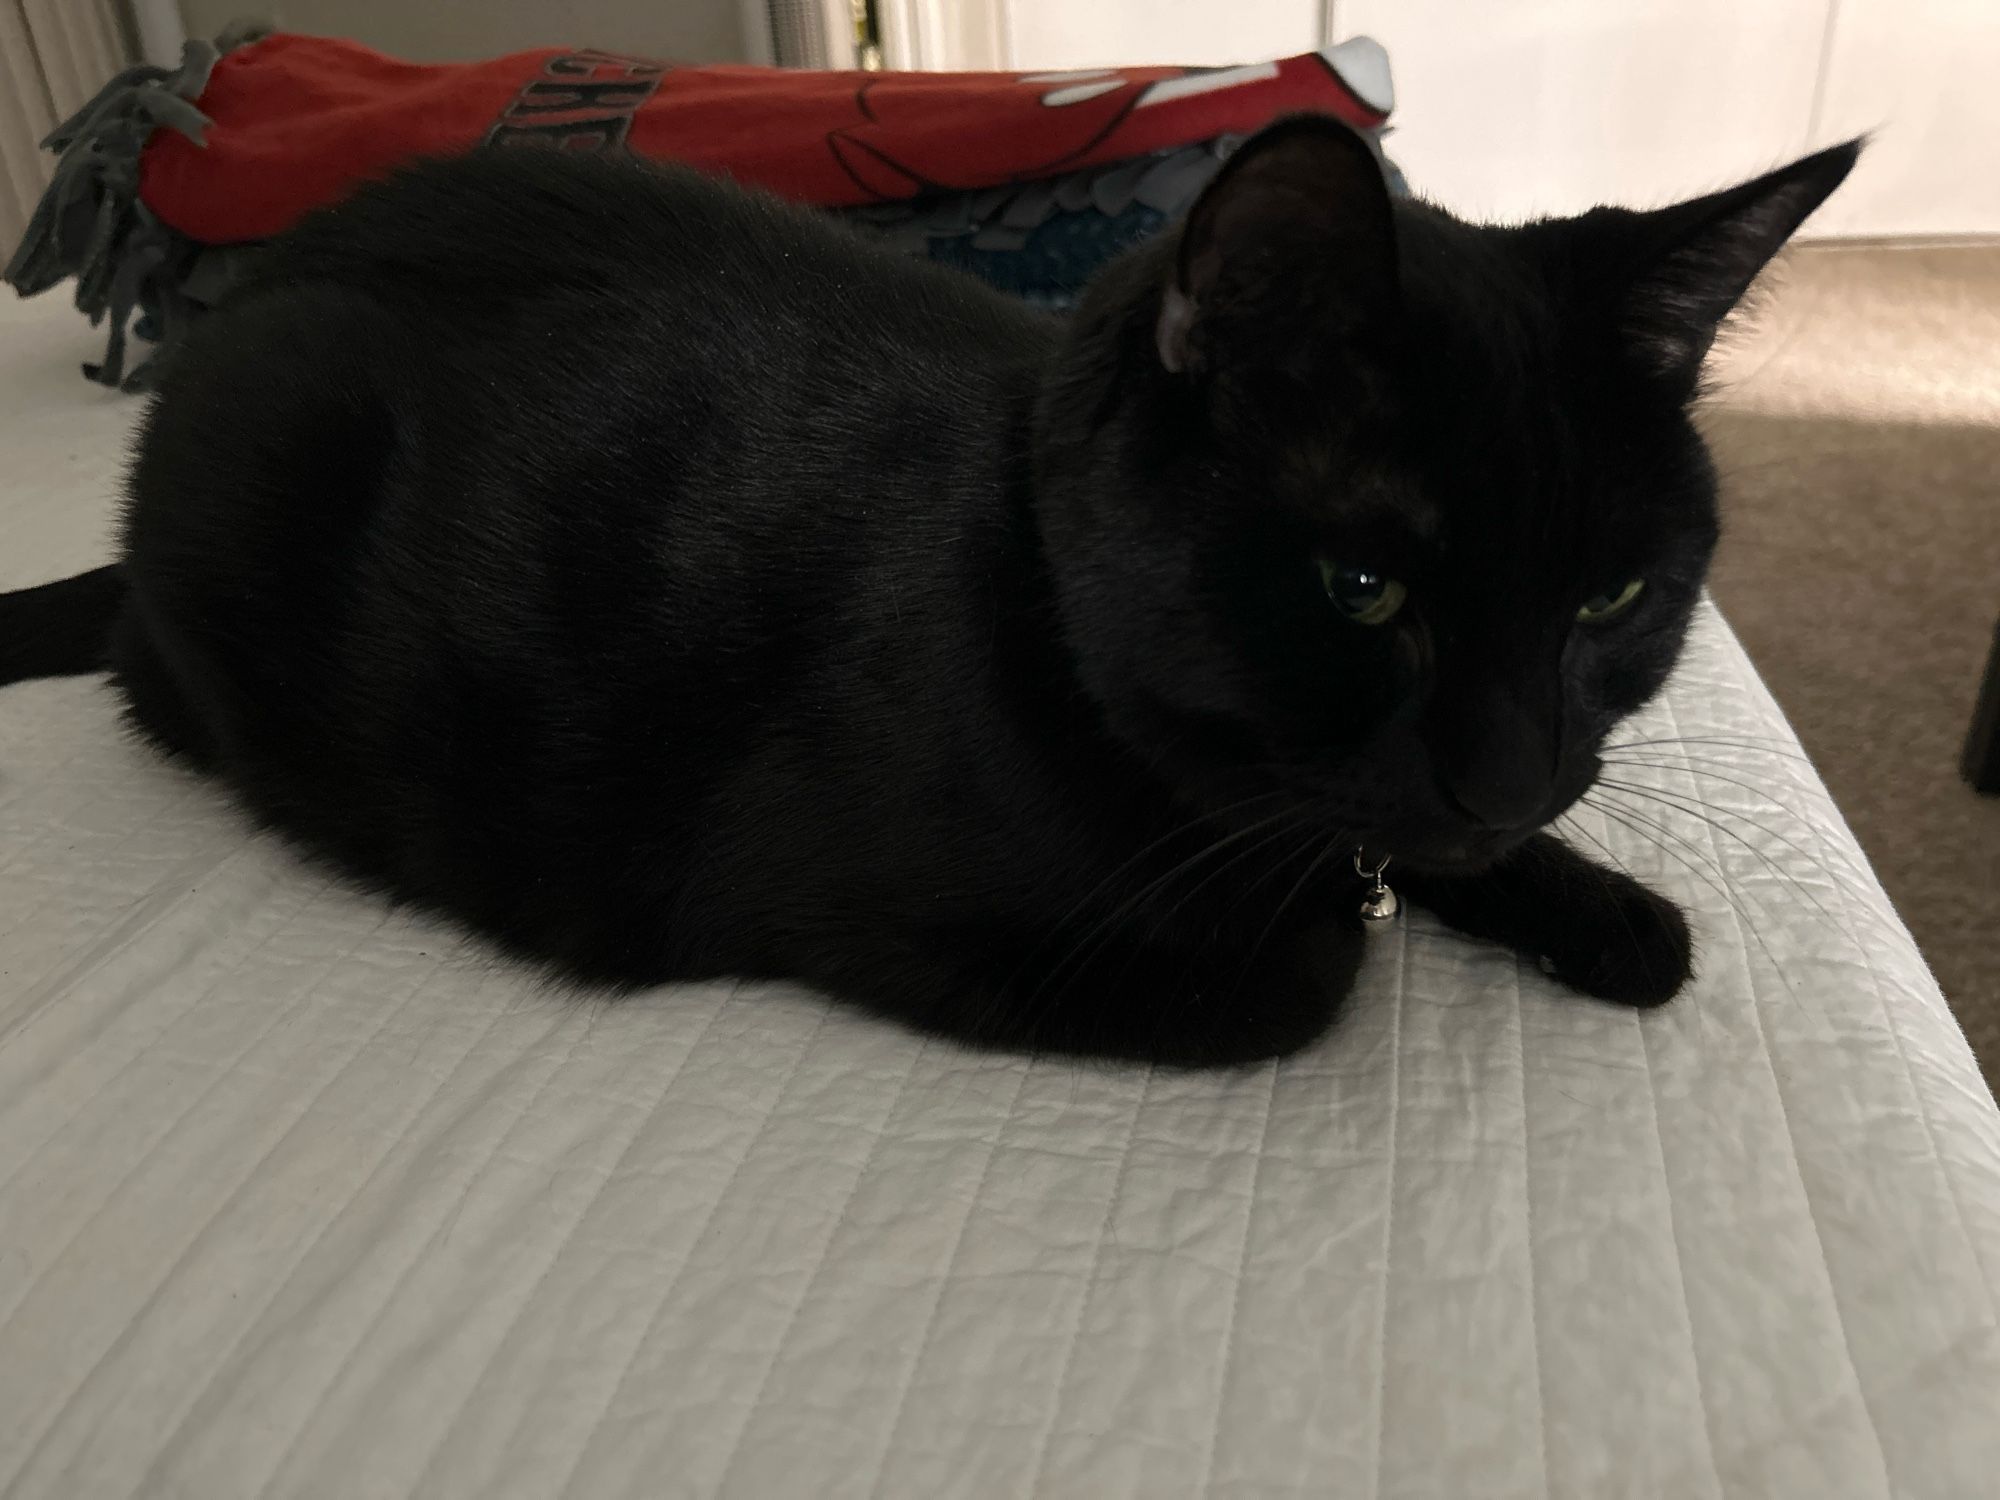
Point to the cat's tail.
(60, 629)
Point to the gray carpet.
(1857, 425)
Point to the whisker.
(1650, 830)
(1105, 885)
(1813, 857)
(1335, 843)
(1102, 930)
(1766, 793)
(1633, 821)
(1703, 1021)
(1708, 813)
(1222, 869)
(1636, 822)
(1171, 1014)
(1751, 744)
(1575, 825)
(1630, 930)
(1696, 765)
(1313, 835)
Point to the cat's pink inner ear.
(1170, 334)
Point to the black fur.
(667, 585)
(59, 629)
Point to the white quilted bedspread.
(301, 1198)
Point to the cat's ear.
(1293, 236)
(1698, 258)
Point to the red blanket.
(166, 172)
(296, 120)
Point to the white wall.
(1505, 108)
(1924, 75)
(1517, 107)
(443, 30)
(1510, 108)
(1051, 34)
(52, 59)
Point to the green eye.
(1604, 606)
(1365, 597)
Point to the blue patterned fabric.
(1043, 240)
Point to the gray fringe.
(1002, 218)
(90, 223)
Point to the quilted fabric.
(302, 1198)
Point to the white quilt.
(301, 1198)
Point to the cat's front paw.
(1624, 943)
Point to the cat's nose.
(1497, 765)
(1500, 797)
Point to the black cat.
(668, 585)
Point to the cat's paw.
(1623, 943)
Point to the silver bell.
(1380, 905)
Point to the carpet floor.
(1856, 423)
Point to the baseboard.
(1900, 242)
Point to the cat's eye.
(1363, 595)
(1606, 606)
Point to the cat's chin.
(1470, 848)
(1469, 854)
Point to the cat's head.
(1351, 501)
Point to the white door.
(1509, 108)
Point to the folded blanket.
(1030, 180)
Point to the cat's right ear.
(1697, 259)
(1293, 240)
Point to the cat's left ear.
(1293, 239)
(1697, 259)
